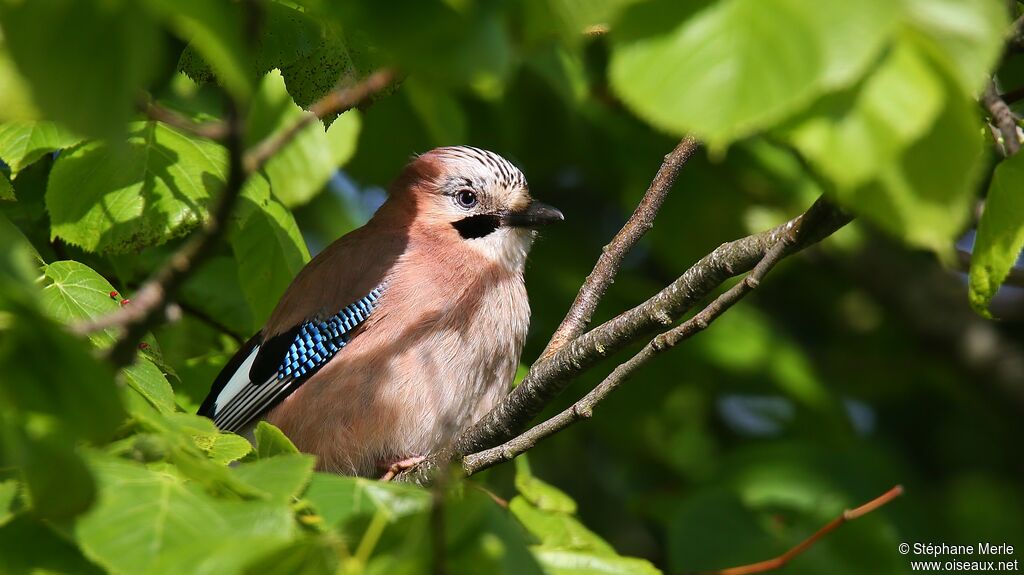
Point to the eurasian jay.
(401, 332)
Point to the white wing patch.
(237, 383)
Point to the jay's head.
(476, 198)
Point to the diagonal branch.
(548, 377)
(782, 560)
(593, 289)
(335, 102)
(584, 408)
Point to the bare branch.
(584, 408)
(548, 377)
(1002, 117)
(335, 102)
(593, 289)
(782, 560)
(147, 307)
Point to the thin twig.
(782, 560)
(213, 130)
(584, 408)
(335, 102)
(593, 289)
(1002, 117)
(148, 306)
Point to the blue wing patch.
(281, 364)
(318, 341)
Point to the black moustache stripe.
(477, 226)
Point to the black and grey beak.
(536, 214)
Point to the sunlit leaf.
(121, 198)
(151, 522)
(281, 477)
(60, 65)
(22, 143)
(712, 74)
(338, 498)
(270, 251)
(965, 37)
(75, 293)
(1000, 232)
(853, 136)
(271, 441)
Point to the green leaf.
(228, 447)
(32, 546)
(565, 545)
(851, 34)
(562, 562)
(540, 493)
(151, 522)
(283, 477)
(22, 143)
(713, 76)
(339, 499)
(214, 30)
(850, 138)
(271, 441)
(8, 492)
(58, 484)
(469, 42)
(120, 198)
(331, 64)
(66, 81)
(556, 529)
(6, 189)
(965, 37)
(50, 373)
(15, 98)
(483, 537)
(199, 450)
(439, 112)
(270, 251)
(147, 380)
(306, 556)
(1000, 236)
(75, 293)
(302, 168)
(213, 290)
(924, 196)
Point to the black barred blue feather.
(261, 375)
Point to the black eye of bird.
(465, 198)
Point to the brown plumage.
(444, 338)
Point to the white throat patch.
(504, 246)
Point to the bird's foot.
(400, 466)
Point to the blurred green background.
(858, 365)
